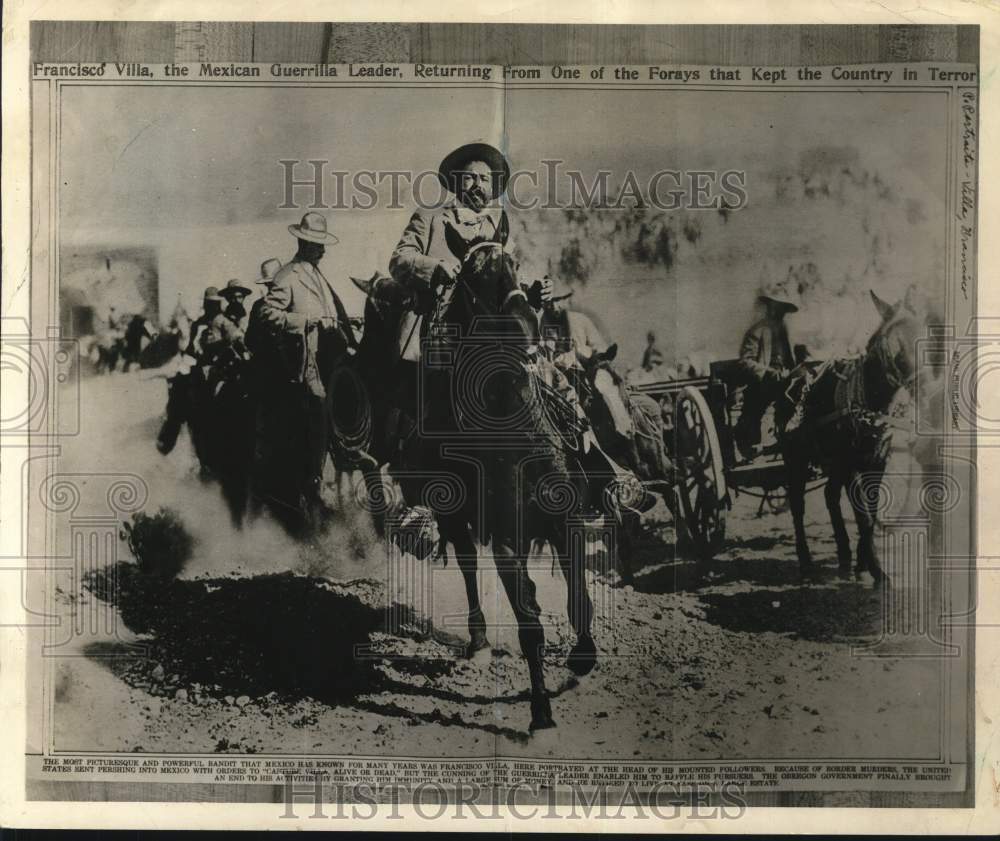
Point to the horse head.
(487, 285)
(600, 390)
(891, 351)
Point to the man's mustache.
(476, 193)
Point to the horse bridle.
(894, 376)
(516, 292)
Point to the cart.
(700, 414)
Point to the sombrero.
(780, 294)
(269, 269)
(312, 228)
(234, 286)
(457, 160)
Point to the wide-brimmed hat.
(312, 228)
(780, 293)
(366, 285)
(234, 286)
(455, 162)
(211, 294)
(268, 269)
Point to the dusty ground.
(250, 651)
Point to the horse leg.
(797, 474)
(465, 554)
(176, 415)
(583, 655)
(377, 499)
(831, 493)
(627, 523)
(856, 492)
(513, 571)
(234, 494)
(869, 502)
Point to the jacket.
(424, 246)
(765, 348)
(289, 312)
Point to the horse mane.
(488, 262)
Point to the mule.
(845, 430)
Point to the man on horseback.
(211, 306)
(235, 294)
(572, 340)
(225, 331)
(767, 360)
(256, 337)
(423, 267)
(184, 385)
(579, 352)
(308, 324)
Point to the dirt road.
(250, 650)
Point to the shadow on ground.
(832, 612)
(283, 633)
(289, 637)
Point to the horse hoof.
(541, 715)
(583, 656)
(477, 645)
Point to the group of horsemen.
(297, 331)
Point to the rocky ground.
(262, 646)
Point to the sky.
(194, 172)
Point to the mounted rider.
(227, 327)
(430, 251)
(211, 306)
(256, 337)
(767, 360)
(304, 321)
(424, 264)
(571, 342)
(235, 293)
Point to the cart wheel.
(701, 480)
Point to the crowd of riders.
(266, 371)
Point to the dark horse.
(845, 430)
(218, 410)
(488, 427)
